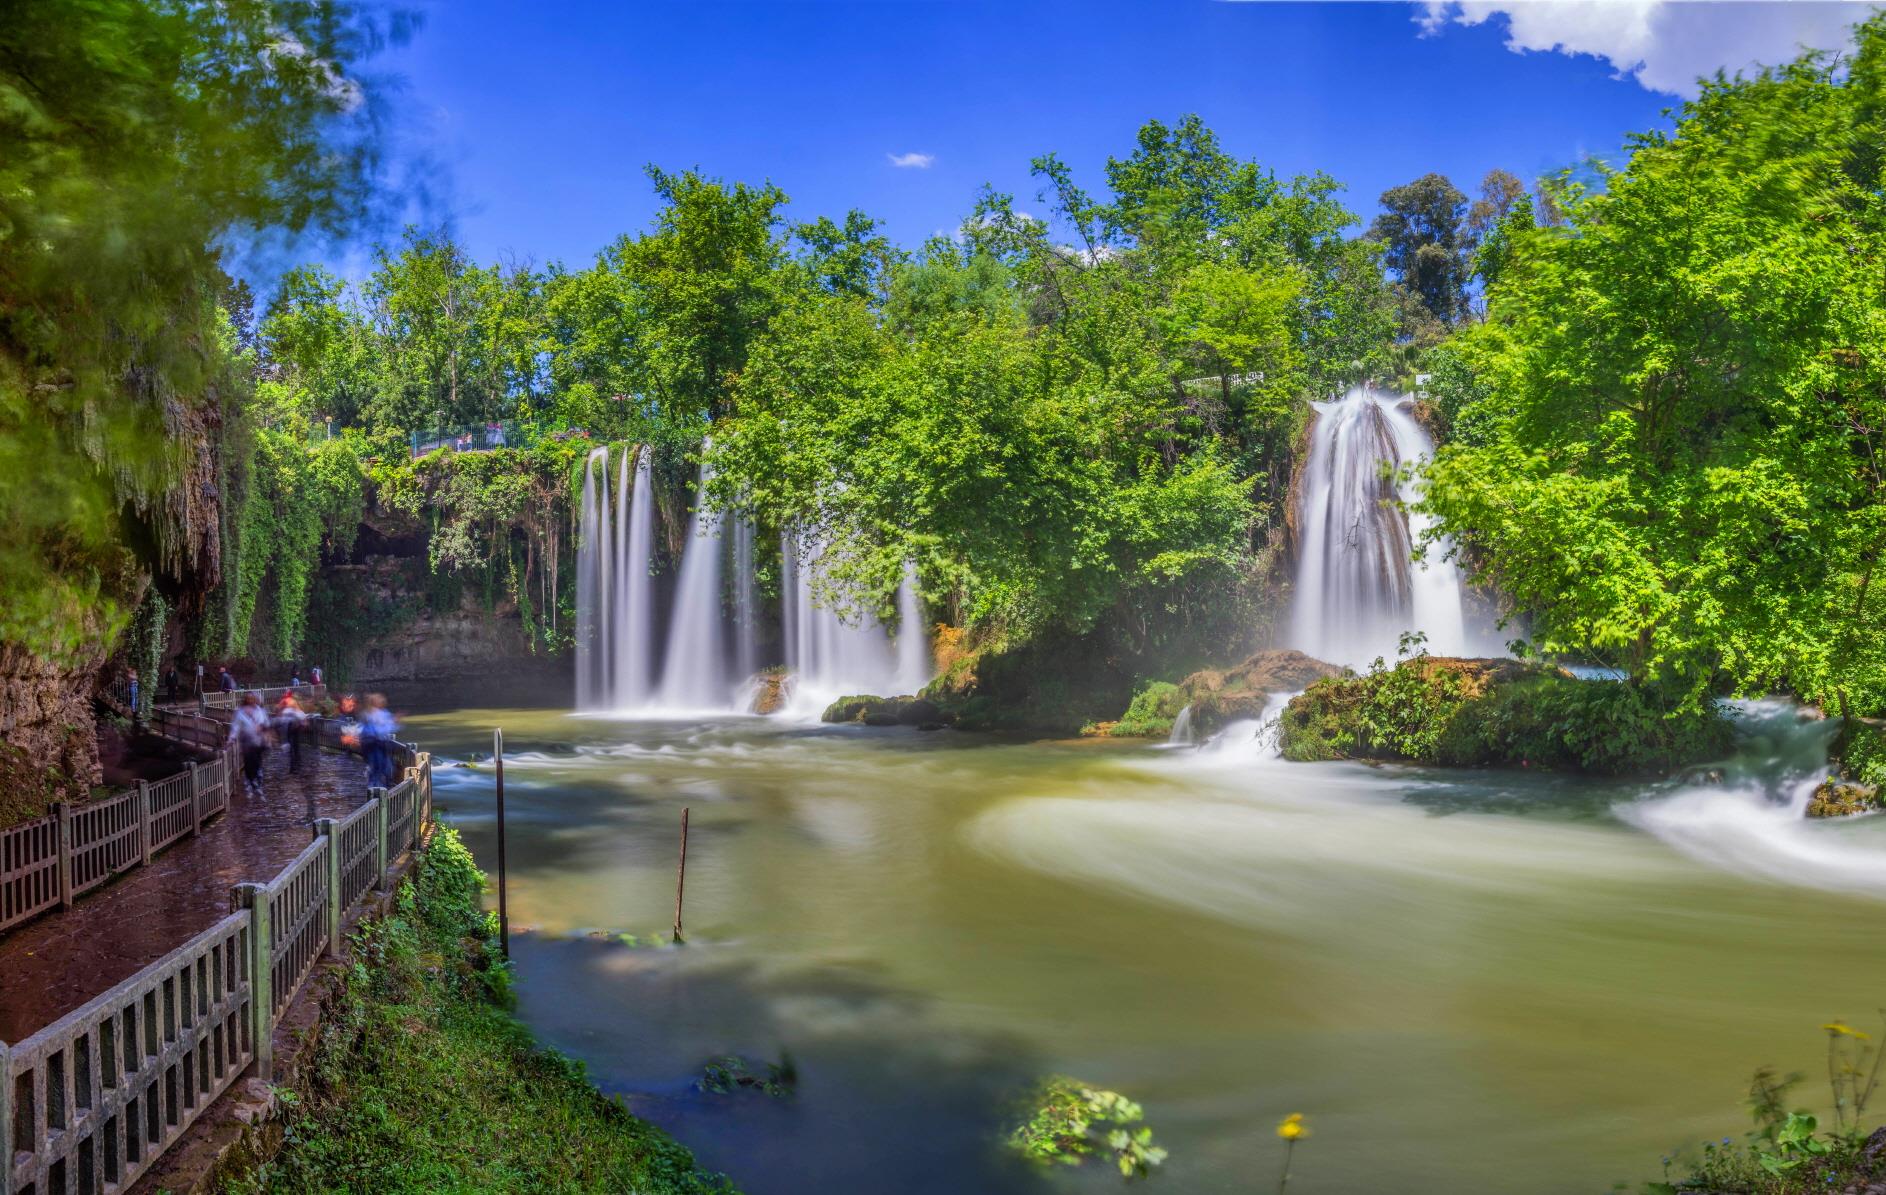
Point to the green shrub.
(1861, 753)
(424, 1082)
(1469, 713)
(1151, 712)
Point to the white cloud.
(1662, 44)
(911, 161)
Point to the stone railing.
(92, 1100)
(50, 861)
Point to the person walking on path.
(171, 681)
(226, 680)
(131, 676)
(377, 729)
(314, 674)
(248, 729)
(290, 723)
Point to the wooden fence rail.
(48, 862)
(90, 1101)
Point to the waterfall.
(915, 665)
(590, 596)
(635, 650)
(615, 641)
(832, 656)
(1181, 734)
(1358, 587)
(695, 676)
(746, 647)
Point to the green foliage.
(1670, 450)
(1425, 242)
(1151, 714)
(424, 1082)
(296, 504)
(1466, 713)
(1860, 751)
(144, 646)
(112, 351)
(1067, 1122)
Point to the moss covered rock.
(885, 711)
(1842, 798)
(1218, 698)
(1858, 782)
(1469, 712)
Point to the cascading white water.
(746, 649)
(831, 655)
(615, 640)
(695, 674)
(635, 659)
(591, 549)
(916, 666)
(1358, 586)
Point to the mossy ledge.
(423, 1080)
(1472, 712)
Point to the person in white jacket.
(248, 729)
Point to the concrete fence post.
(63, 812)
(6, 1121)
(325, 828)
(144, 820)
(379, 836)
(254, 897)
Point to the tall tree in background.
(1426, 244)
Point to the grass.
(426, 1083)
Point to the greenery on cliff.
(424, 1082)
(113, 353)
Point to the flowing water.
(1468, 981)
(1358, 586)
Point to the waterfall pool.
(1469, 981)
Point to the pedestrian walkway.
(57, 963)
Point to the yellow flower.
(1842, 1029)
(1292, 1127)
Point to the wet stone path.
(51, 966)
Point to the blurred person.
(377, 728)
(291, 723)
(248, 729)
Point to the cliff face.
(464, 639)
(48, 746)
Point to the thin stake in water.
(504, 912)
(681, 872)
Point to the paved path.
(50, 966)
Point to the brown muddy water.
(1477, 981)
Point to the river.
(1467, 981)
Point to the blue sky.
(536, 120)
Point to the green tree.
(1676, 401)
(1426, 245)
(138, 138)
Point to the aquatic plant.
(1069, 1122)
(730, 1073)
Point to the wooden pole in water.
(681, 872)
(504, 911)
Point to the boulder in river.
(885, 711)
(1219, 697)
(1842, 798)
